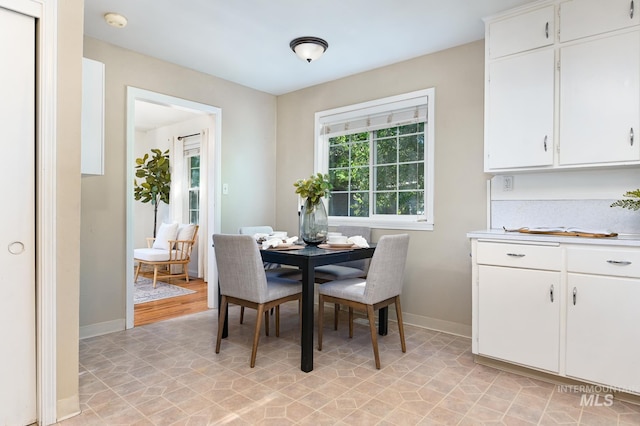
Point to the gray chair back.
(240, 270)
(351, 231)
(253, 230)
(386, 273)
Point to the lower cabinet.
(519, 316)
(577, 318)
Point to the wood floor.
(150, 312)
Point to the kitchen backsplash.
(593, 215)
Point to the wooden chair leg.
(320, 319)
(350, 322)
(374, 336)
(221, 317)
(278, 321)
(135, 279)
(400, 324)
(336, 312)
(155, 275)
(256, 334)
(241, 314)
(266, 324)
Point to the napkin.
(359, 241)
(271, 242)
(291, 240)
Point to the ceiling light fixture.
(115, 20)
(308, 48)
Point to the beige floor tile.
(168, 374)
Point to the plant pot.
(314, 223)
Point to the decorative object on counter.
(314, 220)
(157, 181)
(565, 232)
(632, 204)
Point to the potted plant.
(314, 223)
(157, 181)
(632, 204)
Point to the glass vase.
(314, 223)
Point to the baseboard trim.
(101, 328)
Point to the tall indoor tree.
(157, 181)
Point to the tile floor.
(167, 373)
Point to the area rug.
(144, 291)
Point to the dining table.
(306, 258)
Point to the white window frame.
(321, 162)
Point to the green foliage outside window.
(386, 164)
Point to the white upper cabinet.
(600, 100)
(521, 33)
(92, 129)
(519, 113)
(583, 18)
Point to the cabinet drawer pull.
(619, 262)
(575, 294)
(631, 136)
(515, 254)
(545, 142)
(546, 27)
(551, 293)
(631, 9)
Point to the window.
(379, 157)
(193, 188)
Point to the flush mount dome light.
(308, 48)
(115, 20)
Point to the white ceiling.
(152, 116)
(247, 41)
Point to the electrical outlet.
(507, 183)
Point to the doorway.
(159, 121)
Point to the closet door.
(17, 224)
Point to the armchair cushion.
(186, 232)
(167, 231)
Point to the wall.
(248, 143)
(69, 90)
(437, 291)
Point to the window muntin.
(381, 170)
(193, 184)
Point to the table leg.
(225, 327)
(383, 319)
(306, 337)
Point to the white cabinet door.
(519, 316)
(603, 333)
(92, 153)
(521, 33)
(17, 233)
(600, 100)
(582, 18)
(520, 100)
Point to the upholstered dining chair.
(272, 269)
(382, 287)
(243, 281)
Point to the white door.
(519, 316)
(17, 227)
(520, 111)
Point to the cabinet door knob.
(546, 28)
(631, 9)
(575, 294)
(545, 142)
(631, 136)
(551, 293)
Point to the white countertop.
(630, 240)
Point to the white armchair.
(171, 246)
